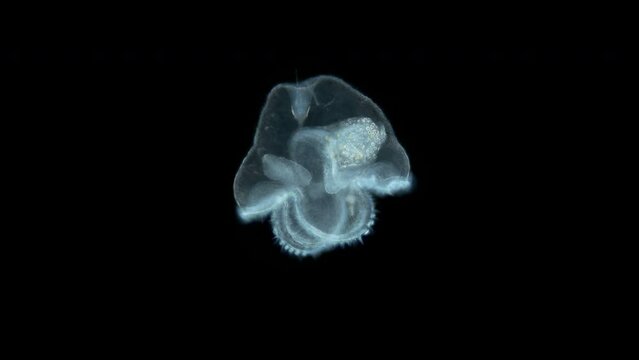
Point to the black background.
(141, 145)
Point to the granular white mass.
(321, 150)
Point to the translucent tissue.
(321, 150)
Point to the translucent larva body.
(321, 150)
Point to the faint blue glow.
(321, 150)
